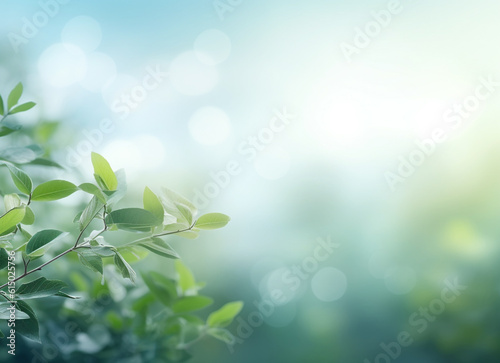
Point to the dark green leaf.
(92, 261)
(2, 109)
(39, 288)
(41, 239)
(29, 327)
(8, 127)
(162, 287)
(4, 258)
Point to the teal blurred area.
(363, 187)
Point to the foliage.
(173, 300)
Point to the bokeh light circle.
(191, 77)
(62, 65)
(210, 126)
(212, 47)
(329, 284)
(84, 32)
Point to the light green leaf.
(41, 239)
(222, 335)
(28, 327)
(103, 172)
(39, 288)
(124, 268)
(212, 221)
(191, 303)
(153, 204)
(18, 154)
(186, 278)
(92, 261)
(171, 201)
(11, 201)
(90, 212)
(94, 190)
(225, 315)
(29, 217)
(21, 179)
(185, 213)
(132, 219)
(14, 95)
(23, 107)
(53, 190)
(10, 219)
(160, 247)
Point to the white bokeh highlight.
(400, 280)
(212, 47)
(272, 163)
(101, 70)
(62, 65)
(191, 77)
(329, 284)
(210, 126)
(84, 32)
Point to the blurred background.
(354, 145)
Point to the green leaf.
(2, 109)
(153, 204)
(46, 162)
(94, 190)
(103, 172)
(90, 212)
(191, 303)
(92, 261)
(5, 312)
(124, 268)
(222, 335)
(225, 315)
(132, 219)
(29, 217)
(21, 179)
(162, 287)
(212, 221)
(53, 190)
(10, 219)
(171, 202)
(14, 95)
(159, 247)
(8, 127)
(39, 288)
(23, 107)
(11, 201)
(28, 327)
(186, 278)
(4, 258)
(41, 239)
